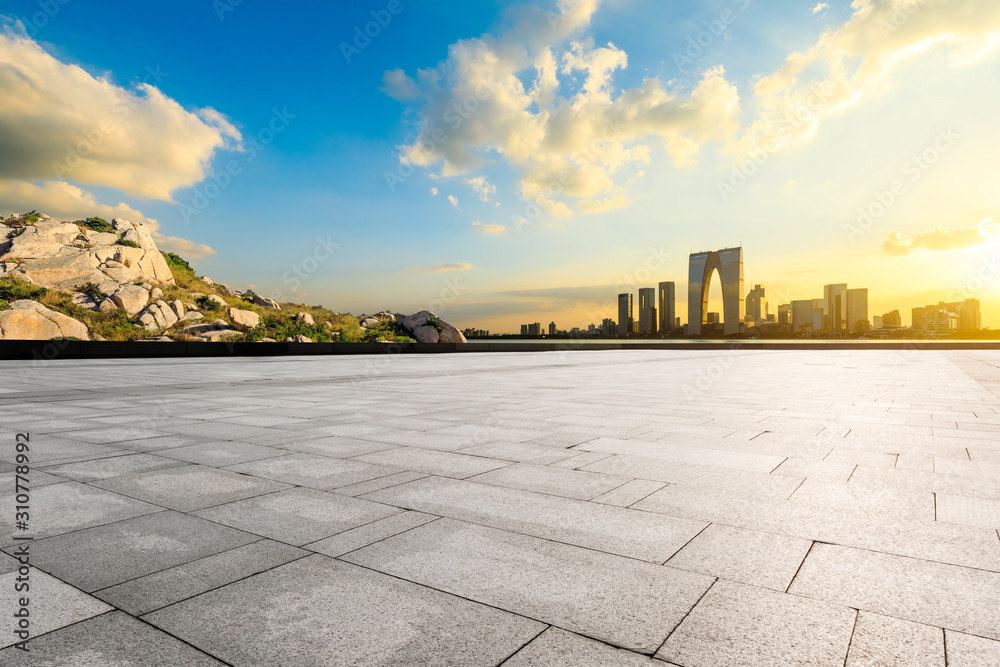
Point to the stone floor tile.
(356, 538)
(298, 516)
(736, 624)
(559, 647)
(52, 604)
(968, 511)
(220, 453)
(519, 451)
(629, 493)
(551, 480)
(43, 448)
(626, 532)
(379, 483)
(554, 583)
(971, 651)
(922, 591)
(315, 472)
(106, 555)
(685, 454)
(190, 487)
(336, 447)
(446, 464)
(115, 466)
(751, 557)
(364, 618)
(154, 591)
(110, 640)
(884, 641)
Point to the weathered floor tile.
(364, 618)
(432, 462)
(315, 472)
(968, 511)
(106, 555)
(220, 453)
(552, 582)
(736, 624)
(615, 530)
(559, 647)
(115, 466)
(356, 538)
(554, 481)
(926, 592)
(52, 604)
(298, 516)
(884, 641)
(971, 651)
(629, 493)
(145, 594)
(379, 483)
(335, 446)
(111, 640)
(190, 487)
(751, 557)
(520, 452)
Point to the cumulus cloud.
(540, 97)
(820, 7)
(859, 59)
(441, 268)
(481, 187)
(942, 238)
(489, 229)
(434, 192)
(59, 121)
(65, 201)
(454, 200)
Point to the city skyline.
(414, 156)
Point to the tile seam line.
(854, 628)
(677, 627)
(378, 541)
(524, 646)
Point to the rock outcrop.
(427, 328)
(30, 320)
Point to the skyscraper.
(552, 328)
(785, 313)
(647, 310)
(857, 310)
(802, 312)
(835, 307)
(625, 319)
(756, 305)
(668, 307)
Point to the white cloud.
(568, 132)
(488, 229)
(481, 187)
(454, 200)
(397, 85)
(859, 59)
(820, 7)
(59, 121)
(65, 201)
(441, 268)
(434, 192)
(942, 238)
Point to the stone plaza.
(627, 507)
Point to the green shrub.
(129, 243)
(97, 224)
(94, 292)
(30, 218)
(433, 321)
(177, 263)
(204, 303)
(4, 305)
(13, 288)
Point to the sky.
(505, 162)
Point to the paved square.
(630, 507)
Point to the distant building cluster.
(840, 312)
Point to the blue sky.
(648, 197)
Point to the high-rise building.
(857, 310)
(535, 329)
(835, 307)
(893, 319)
(756, 305)
(647, 310)
(785, 313)
(713, 318)
(608, 326)
(625, 320)
(668, 306)
(552, 328)
(801, 314)
(967, 312)
(876, 321)
(524, 329)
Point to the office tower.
(893, 319)
(857, 310)
(625, 319)
(647, 310)
(713, 318)
(524, 329)
(801, 314)
(835, 306)
(552, 328)
(785, 313)
(728, 265)
(967, 312)
(668, 306)
(756, 305)
(876, 321)
(608, 326)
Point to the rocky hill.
(97, 280)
